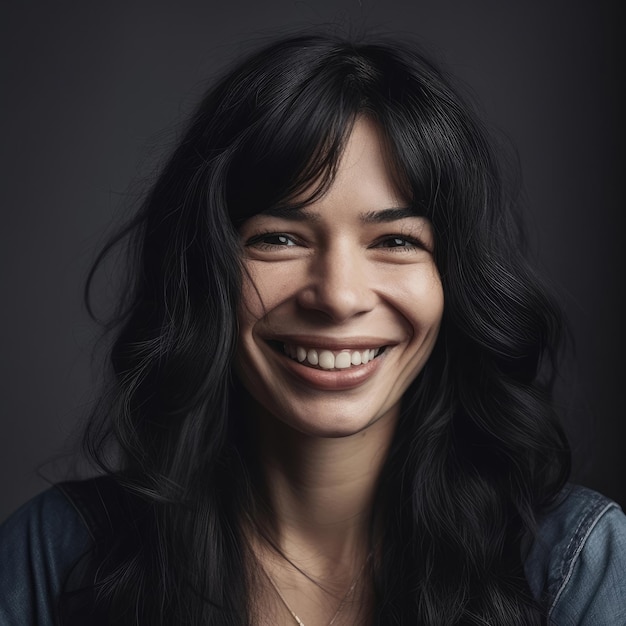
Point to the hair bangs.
(299, 102)
(289, 154)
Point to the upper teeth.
(328, 360)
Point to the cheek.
(264, 287)
(251, 305)
(432, 301)
(420, 299)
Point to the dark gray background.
(91, 92)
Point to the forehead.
(362, 192)
(363, 180)
(365, 166)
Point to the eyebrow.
(286, 212)
(388, 215)
(300, 214)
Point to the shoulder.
(39, 546)
(575, 565)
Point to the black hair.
(478, 451)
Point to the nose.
(338, 285)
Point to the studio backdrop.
(94, 94)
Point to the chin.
(338, 422)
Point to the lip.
(332, 380)
(330, 343)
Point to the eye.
(268, 241)
(399, 243)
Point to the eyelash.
(411, 242)
(257, 241)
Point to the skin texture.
(345, 272)
(329, 276)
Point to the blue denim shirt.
(576, 567)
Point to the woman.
(330, 392)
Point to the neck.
(320, 490)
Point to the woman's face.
(342, 300)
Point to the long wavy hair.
(478, 451)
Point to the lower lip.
(333, 380)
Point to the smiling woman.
(330, 394)
(341, 301)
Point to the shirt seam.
(575, 556)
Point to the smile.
(329, 359)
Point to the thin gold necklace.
(341, 604)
